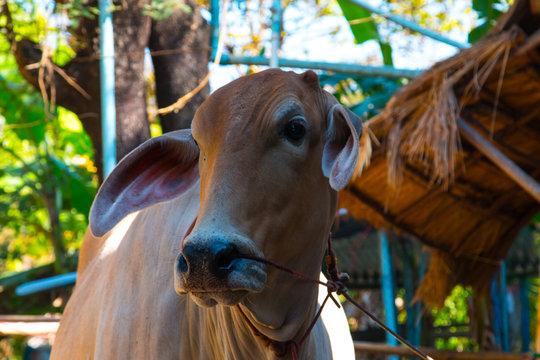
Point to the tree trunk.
(181, 44)
(176, 73)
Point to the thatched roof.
(428, 178)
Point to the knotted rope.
(337, 284)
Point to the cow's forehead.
(249, 99)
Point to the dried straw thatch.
(428, 181)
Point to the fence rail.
(383, 349)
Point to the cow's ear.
(340, 152)
(160, 169)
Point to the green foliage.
(78, 8)
(377, 92)
(47, 181)
(360, 21)
(455, 308)
(488, 12)
(454, 313)
(431, 14)
(162, 9)
(364, 95)
(363, 27)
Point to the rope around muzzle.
(336, 284)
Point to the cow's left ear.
(160, 169)
(340, 152)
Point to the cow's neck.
(222, 333)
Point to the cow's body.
(164, 325)
(125, 305)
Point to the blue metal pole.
(418, 307)
(214, 12)
(505, 331)
(46, 284)
(409, 24)
(525, 316)
(350, 69)
(408, 284)
(495, 294)
(276, 33)
(108, 104)
(387, 281)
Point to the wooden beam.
(382, 349)
(535, 7)
(498, 158)
(28, 325)
(29, 318)
(497, 138)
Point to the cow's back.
(124, 304)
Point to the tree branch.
(30, 60)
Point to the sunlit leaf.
(360, 21)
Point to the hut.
(458, 158)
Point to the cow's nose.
(218, 258)
(226, 255)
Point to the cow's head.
(272, 149)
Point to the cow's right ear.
(160, 169)
(340, 153)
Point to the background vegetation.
(48, 174)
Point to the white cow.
(259, 172)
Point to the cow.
(168, 267)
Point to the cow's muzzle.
(213, 270)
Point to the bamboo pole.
(498, 158)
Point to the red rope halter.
(335, 284)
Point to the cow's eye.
(295, 130)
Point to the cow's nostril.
(182, 263)
(225, 259)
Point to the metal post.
(214, 12)
(418, 307)
(387, 282)
(409, 24)
(408, 284)
(108, 105)
(496, 301)
(350, 69)
(505, 330)
(276, 33)
(46, 284)
(525, 315)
